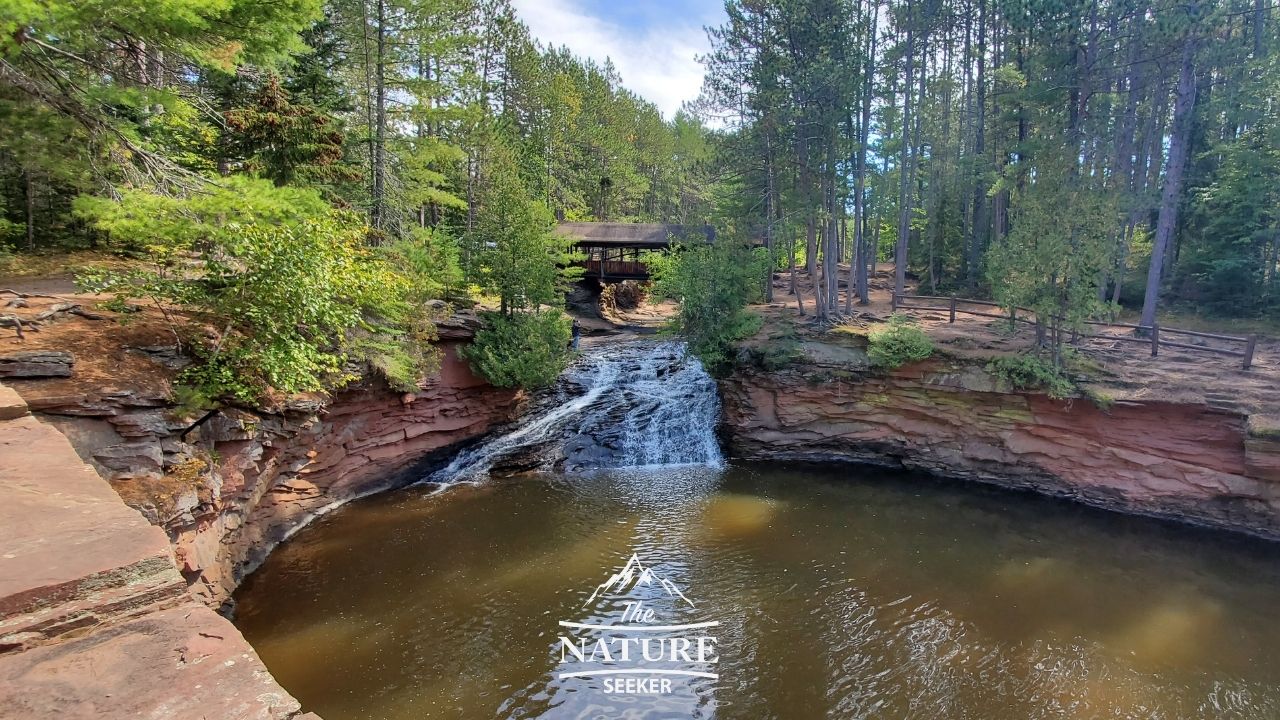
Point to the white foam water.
(622, 405)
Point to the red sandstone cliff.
(1186, 461)
(237, 485)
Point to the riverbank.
(1187, 437)
(95, 620)
(218, 492)
(107, 609)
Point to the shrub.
(1029, 372)
(525, 349)
(163, 228)
(898, 342)
(293, 306)
(713, 284)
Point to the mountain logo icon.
(632, 575)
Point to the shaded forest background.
(1075, 156)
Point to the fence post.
(953, 310)
(1248, 351)
(1155, 338)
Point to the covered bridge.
(613, 249)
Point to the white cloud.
(657, 63)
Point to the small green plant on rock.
(898, 342)
(1029, 372)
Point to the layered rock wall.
(94, 619)
(230, 489)
(1189, 462)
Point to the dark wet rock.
(36, 364)
(168, 355)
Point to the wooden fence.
(1155, 339)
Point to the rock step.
(70, 551)
(95, 621)
(180, 663)
(37, 364)
(138, 590)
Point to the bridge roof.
(616, 234)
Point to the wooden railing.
(618, 269)
(1155, 333)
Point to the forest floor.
(1110, 367)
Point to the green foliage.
(432, 261)
(162, 227)
(526, 349)
(1031, 372)
(518, 258)
(10, 232)
(713, 284)
(296, 305)
(282, 140)
(1234, 219)
(898, 342)
(1104, 401)
(1056, 252)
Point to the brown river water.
(842, 592)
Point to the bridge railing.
(1241, 347)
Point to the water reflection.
(839, 593)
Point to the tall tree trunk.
(1122, 179)
(29, 187)
(978, 228)
(831, 250)
(1259, 26)
(1178, 143)
(878, 226)
(860, 281)
(770, 183)
(904, 170)
(378, 212)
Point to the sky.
(653, 43)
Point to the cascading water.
(633, 404)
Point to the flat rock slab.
(184, 663)
(64, 533)
(37, 364)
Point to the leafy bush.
(292, 308)
(10, 232)
(163, 227)
(1029, 372)
(526, 349)
(898, 342)
(430, 257)
(713, 284)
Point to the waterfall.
(621, 405)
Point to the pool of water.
(830, 593)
